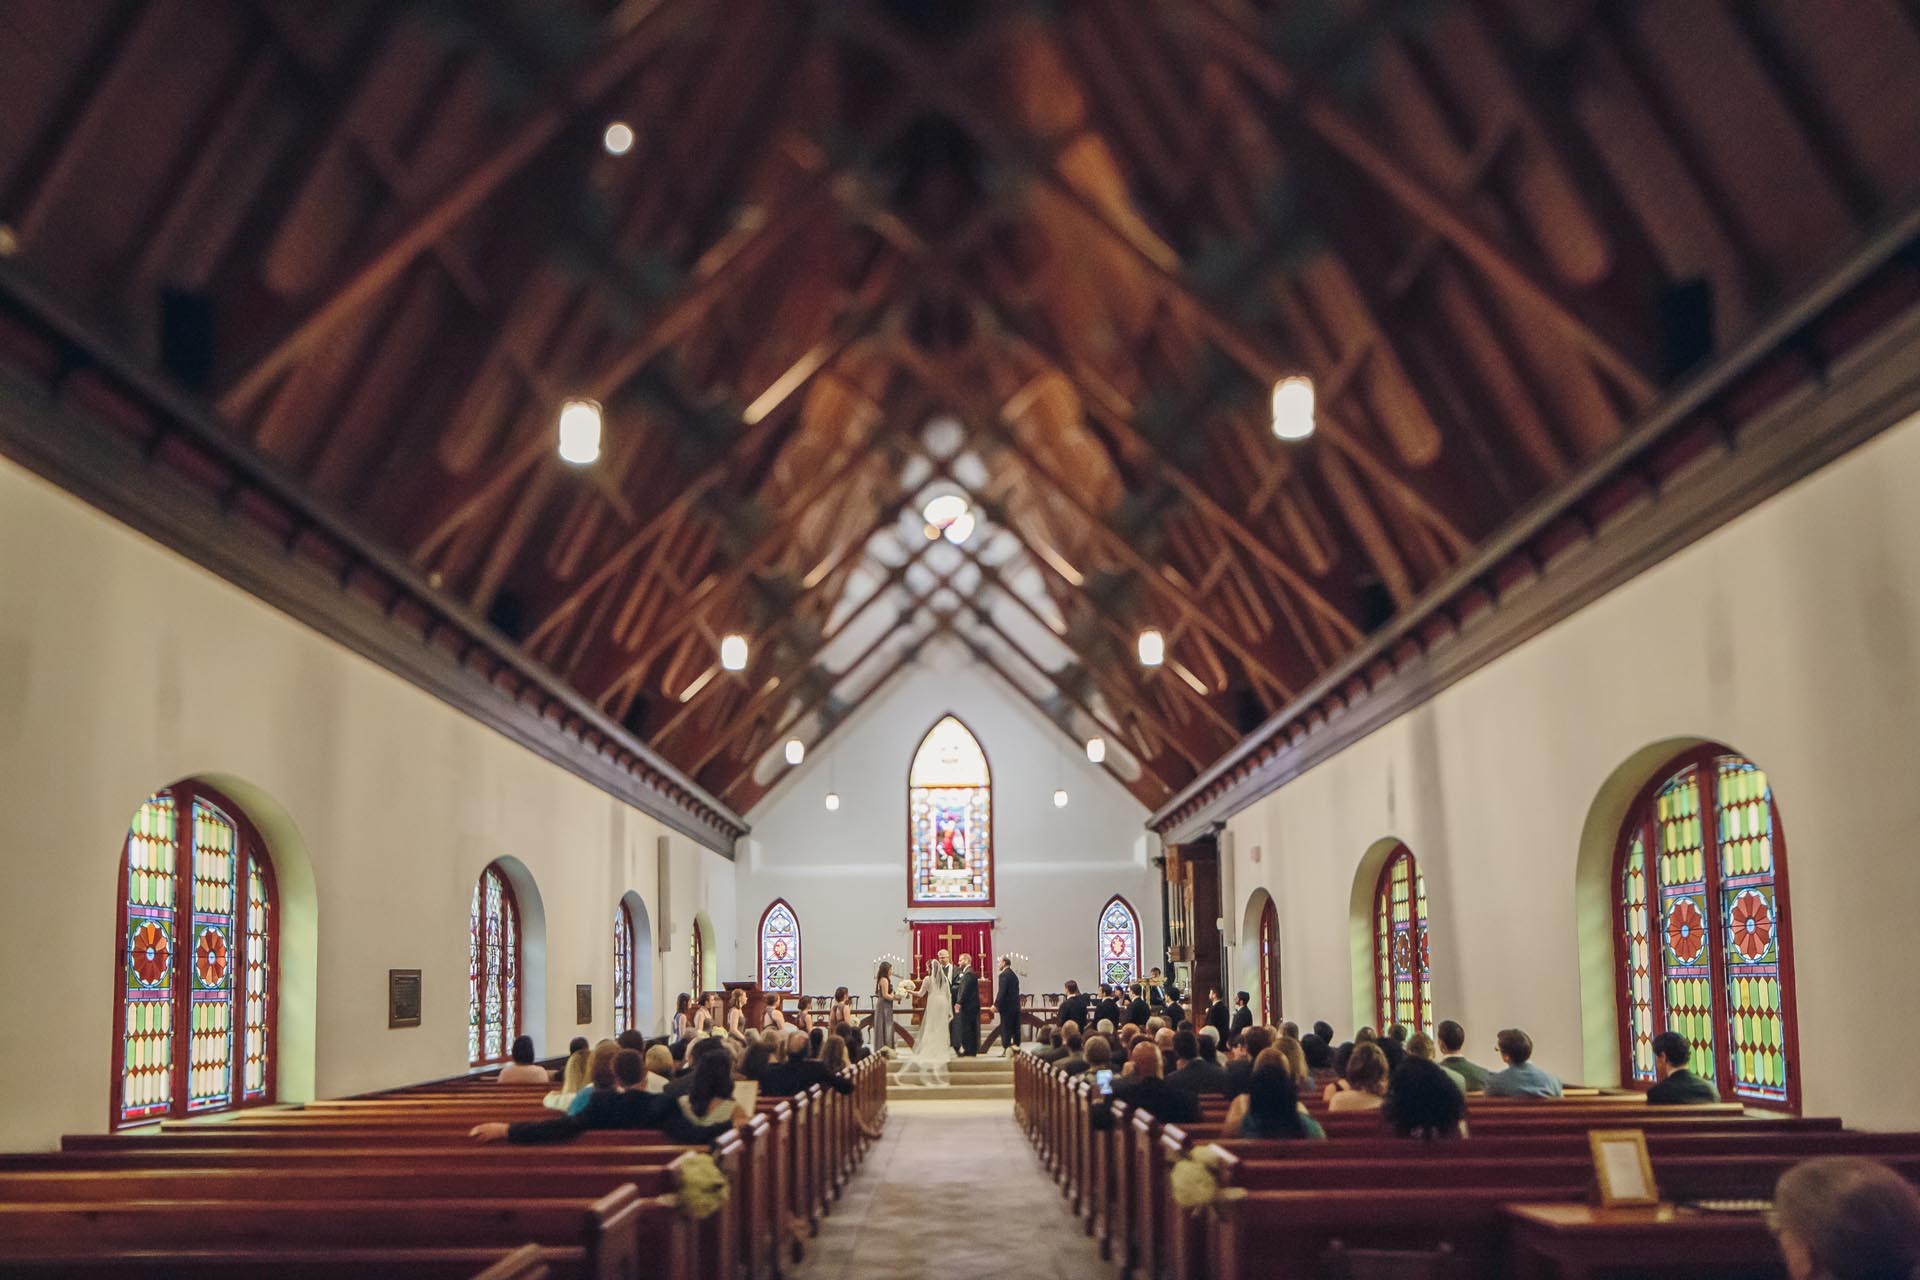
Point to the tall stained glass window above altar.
(949, 820)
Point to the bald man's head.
(1144, 1061)
(797, 1045)
(1163, 1038)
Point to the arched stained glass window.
(197, 942)
(1403, 978)
(1270, 963)
(949, 820)
(779, 949)
(1701, 931)
(626, 1000)
(1119, 942)
(493, 969)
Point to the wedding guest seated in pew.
(1163, 1041)
(1253, 1042)
(1289, 1031)
(1394, 1051)
(523, 1069)
(1319, 1056)
(1423, 1103)
(1270, 1108)
(1142, 1088)
(1325, 1031)
(757, 1059)
(1099, 1053)
(579, 1044)
(1453, 1038)
(599, 1076)
(1210, 1044)
(659, 1060)
(1052, 1045)
(857, 1051)
(710, 1047)
(1194, 1073)
(709, 1099)
(833, 1055)
(631, 1039)
(1847, 1218)
(1678, 1086)
(1421, 1046)
(625, 1106)
(799, 1072)
(1076, 1060)
(1521, 1079)
(1364, 1087)
(573, 1078)
(1295, 1058)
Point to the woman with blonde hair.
(659, 1068)
(573, 1078)
(833, 1055)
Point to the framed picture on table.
(1621, 1167)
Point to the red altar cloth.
(960, 937)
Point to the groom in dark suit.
(966, 1009)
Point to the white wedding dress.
(933, 1046)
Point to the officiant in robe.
(966, 1009)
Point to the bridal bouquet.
(1195, 1181)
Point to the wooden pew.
(609, 1230)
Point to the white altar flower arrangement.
(1195, 1181)
(702, 1187)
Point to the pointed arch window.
(1270, 963)
(1701, 929)
(1402, 974)
(195, 1022)
(626, 998)
(493, 969)
(779, 949)
(949, 820)
(1119, 942)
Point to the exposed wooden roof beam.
(633, 33)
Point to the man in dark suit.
(1137, 1011)
(966, 1005)
(1217, 1016)
(1242, 1012)
(1006, 1002)
(1193, 1072)
(1075, 1007)
(1142, 1087)
(1108, 1009)
(1678, 1085)
(1156, 989)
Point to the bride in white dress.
(932, 1046)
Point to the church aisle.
(952, 1190)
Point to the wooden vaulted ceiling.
(384, 240)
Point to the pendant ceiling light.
(580, 431)
(1293, 408)
(796, 751)
(733, 652)
(1153, 648)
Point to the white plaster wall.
(124, 667)
(846, 873)
(1793, 636)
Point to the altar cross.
(951, 936)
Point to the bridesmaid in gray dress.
(883, 1006)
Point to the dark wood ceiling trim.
(1821, 377)
(74, 410)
